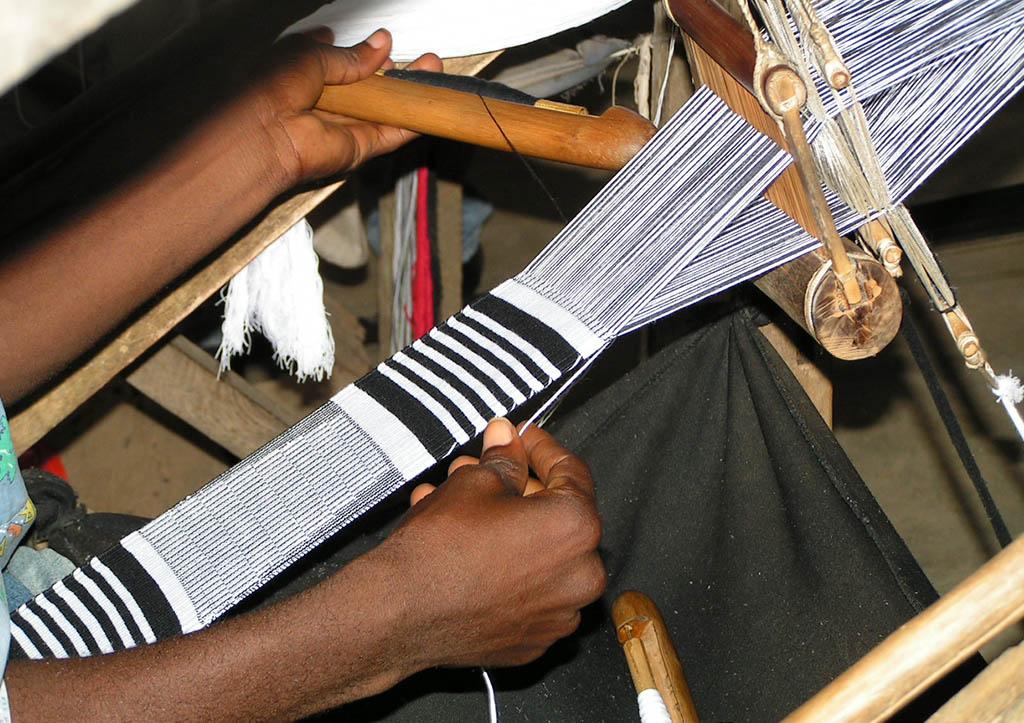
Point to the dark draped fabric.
(727, 500)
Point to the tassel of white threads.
(281, 295)
(652, 707)
(1010, 392)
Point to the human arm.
(63, 290)
(476, 574)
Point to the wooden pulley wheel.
(853, 331)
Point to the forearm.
(65, 289)
(346, 639)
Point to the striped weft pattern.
(195, 562)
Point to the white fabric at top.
(453, 28)
(33, 31)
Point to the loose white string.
(492, 700)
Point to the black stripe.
(54, 629)
(550, 343)
(436, 394)
(490, 357)
(148, 595)
(421, 422)
(503, 399)
(122, 610)
(521, 356)
(76, 622)
(460, 386)
(92, 605)
(31, 634)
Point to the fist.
(498, 575)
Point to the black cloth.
(726, 499)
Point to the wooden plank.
(449, 246)
(47, 411)
(183, 379)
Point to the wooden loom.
(849, 331)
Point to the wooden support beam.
(183, 379)
(47, 411)
(923, 650)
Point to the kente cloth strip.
(681, 221)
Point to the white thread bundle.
(652, 707)
(1009, 392)
(280, 294)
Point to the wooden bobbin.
(809, 293)
(651, 657)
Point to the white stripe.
(44, 632)
(108, 607)
(435, 407)
(531, 351)
(126, 597)
(570, 328)
(444, 387)
(465, 377)
(64, 624)
(507, 358)
(25, 642)
(61, 590)
(486, 368)
(165, 578)
(401, 446)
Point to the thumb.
(505, 454)
(348, 65)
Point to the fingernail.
(378, 39)
(499, 433)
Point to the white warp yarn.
(280, 294)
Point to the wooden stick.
(607, 141)
(651, 657)
(926, 648)
(46, 412)
(184, 380)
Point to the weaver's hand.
(311, 143)
(500, 576)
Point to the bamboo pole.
(926, 648)
(607, 141)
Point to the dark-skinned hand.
(312, 143)
(502, 575)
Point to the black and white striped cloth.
(682, 220)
